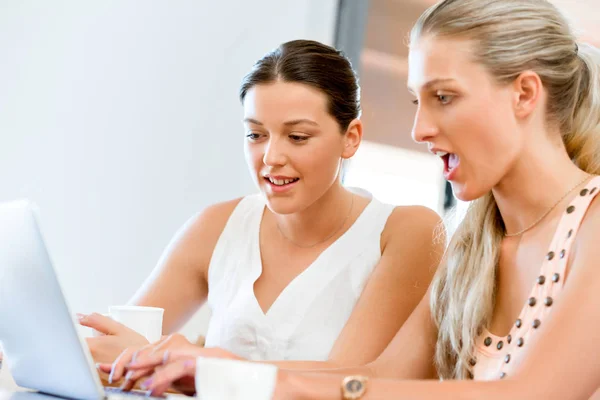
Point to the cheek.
(318, 161)
(254, 156)
(489, 156)
(325, 155)
(499, 136)
(483, 132)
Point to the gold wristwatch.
(354, 387)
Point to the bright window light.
(397, 176)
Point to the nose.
(274, 153)
(424, 127)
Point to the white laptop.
(38, 331)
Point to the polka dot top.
(496, 357)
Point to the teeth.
(440, 153)
(281, 182)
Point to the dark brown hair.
(314, 64)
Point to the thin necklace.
(547, 212)
(320, 241)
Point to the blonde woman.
(511, 102)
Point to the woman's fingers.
(137, 365)
(153, 364)
(101, 323)
(118, 366)
(133, 377)
(122, 364)
(151, 360)
(164, 377)
(104, 367)
(127, 357)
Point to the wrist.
(293, 386)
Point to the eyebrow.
(300, 121)
(253, 121)
(433, 83)
(287, 123)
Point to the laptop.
(38, 330)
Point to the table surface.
(23, 394)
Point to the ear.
(528, 89)
(352, 138)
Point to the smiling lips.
(280, 184)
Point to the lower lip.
(450, 174)
(281, 188)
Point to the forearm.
(321, 367)
(328, 387)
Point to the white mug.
(223, 379)
(147, 321)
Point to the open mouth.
(451, 162)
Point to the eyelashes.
(443, 99)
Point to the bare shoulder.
(413, 243)
(197, 238)
(209, 223)
(414, 225)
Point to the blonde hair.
(508, 37)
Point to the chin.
(466, 192)
(281, 205)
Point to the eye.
(415, 102)
(444, 98)
(298, 138)
(253, 136)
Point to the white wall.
(121, 119)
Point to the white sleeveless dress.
(305, 320)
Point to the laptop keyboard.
(114, 392)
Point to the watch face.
(354, 386)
